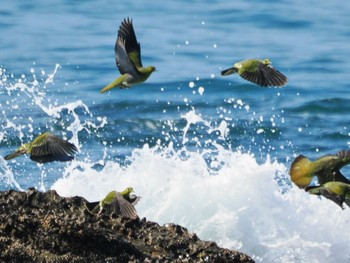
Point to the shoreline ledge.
(45, 227)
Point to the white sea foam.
(239, 206)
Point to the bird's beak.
(111, 86)
(13, 155)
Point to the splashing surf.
(190, 175)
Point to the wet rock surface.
(44, 227)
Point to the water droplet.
(201, 90)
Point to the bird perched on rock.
(116, 202)
(128, 59)
(338, 192)
(260, 72)
(46, 148)
(326, 168)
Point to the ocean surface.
(208, 152)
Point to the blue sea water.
(211, 153)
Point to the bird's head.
(267, 61)
(127, 191)
(237, 65)
(148, 70)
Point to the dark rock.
(44, 227)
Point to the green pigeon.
(326, 168)
(260, 72)
(116, 202)
(338, 192)
(46, 148)
(128, 59)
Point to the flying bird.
(326, 168)
(46, 148)
(128, 59)
(260, 72)
(120, 203)
(338, 192)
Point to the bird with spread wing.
(260, 72)
(120, 203)
(128, 59)
(46, 148)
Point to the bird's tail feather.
(116, 83)
(229, 71)
(313, 189)
(301, 171)
(13, 155)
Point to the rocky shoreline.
(45, 227)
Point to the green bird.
(128, 59)
(116, 202)
(338, 192)
(260, 72)
(326, 168)
(46, 148)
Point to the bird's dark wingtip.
(126, 21)
(276, 78)
(51, 158)
(344, 154)
(127, 33)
